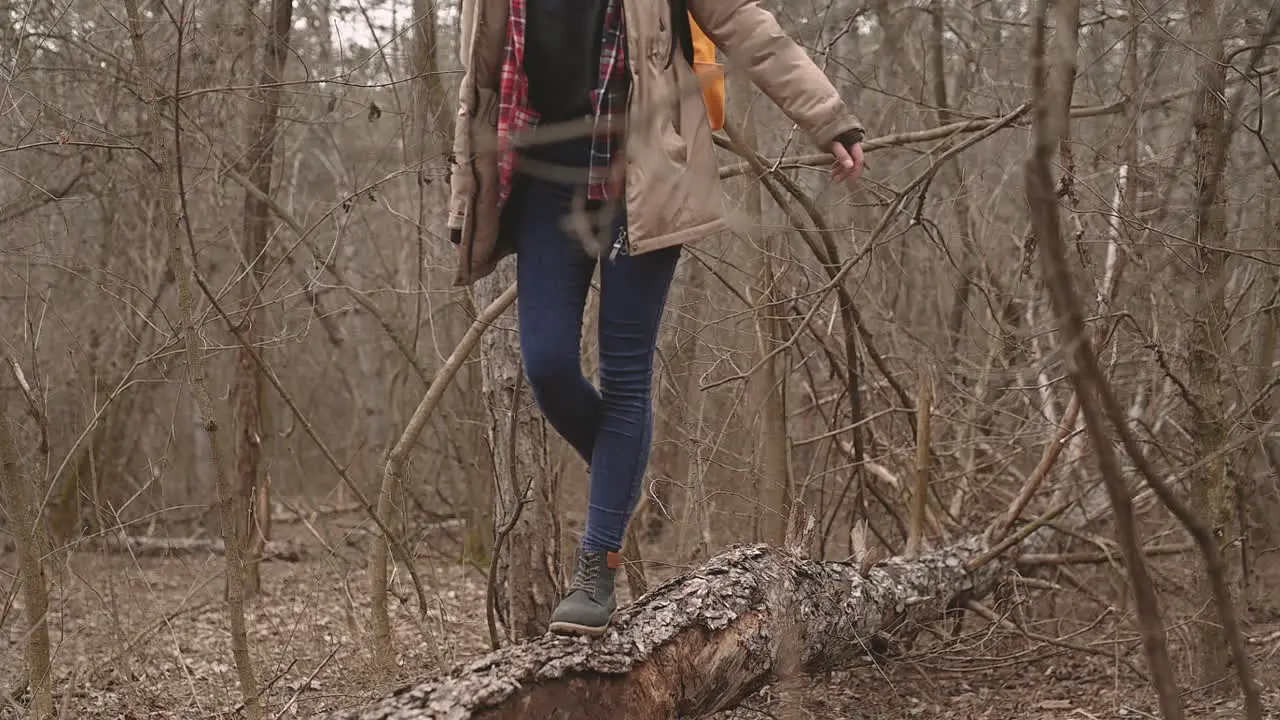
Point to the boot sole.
(568, 628)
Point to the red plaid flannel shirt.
(516, 117)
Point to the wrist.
(849, 138)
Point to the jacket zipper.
(621, 244)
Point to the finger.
(843, 159)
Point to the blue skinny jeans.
(610, 427)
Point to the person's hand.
(849, 162)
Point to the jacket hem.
(464, 277)
(688, 235)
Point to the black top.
(563, 41)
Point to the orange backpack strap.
(710, 74)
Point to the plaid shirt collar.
(516, 117)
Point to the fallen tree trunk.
(703, 641)
(143, 546)
(177, 546)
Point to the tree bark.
(22, 510)
(678, 400)
(1213, 487)
(527, 572)
(706, 640)
(694, 539)
(478, 540)
(249, 399)
(766, 388)
(1262, 497)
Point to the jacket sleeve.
(480, 53)
(755, 43)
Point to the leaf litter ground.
(146, 638)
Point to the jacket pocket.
(474, 153)
(484, 151)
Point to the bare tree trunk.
(6, 24)
(66, 514)
(22, 506)
(322, 22)
(1050, 121)
(527, 583)
(426, 100)
(431, 135)
(970, 267)
(1262, 492)
(694, 542)
(478, 543)
(169, 187)
(677, 400)
(898, 66)
(249, 399)
(1212, 486)
(766, 388)
(919, 496)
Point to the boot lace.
(586, 574)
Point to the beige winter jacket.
(673, 191)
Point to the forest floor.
(142, 638)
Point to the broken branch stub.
(703, 641)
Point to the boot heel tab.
(614, 560)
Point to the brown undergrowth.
(161, 650)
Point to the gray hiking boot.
(589, 606)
